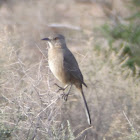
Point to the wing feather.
(72, 66)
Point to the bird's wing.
(71, 65)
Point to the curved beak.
(47, 39)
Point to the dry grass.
(31, 109)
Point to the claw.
(64, 96)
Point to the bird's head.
(55, 41)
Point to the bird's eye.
(55, 38)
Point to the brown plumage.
(65, 68)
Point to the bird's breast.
(55, 59)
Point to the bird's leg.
(61, 88)
(65, 95)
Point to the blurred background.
(104, 36)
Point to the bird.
(65, 68)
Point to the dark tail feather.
(86, 107)
(84, 84)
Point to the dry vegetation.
(30, 108)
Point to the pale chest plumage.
(55, 57)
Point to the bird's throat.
(50, 44)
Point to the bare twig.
(47, 107)
(83, 132)
(129, 122)
(57, 25)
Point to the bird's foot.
(64, 96)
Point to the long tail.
(86, 107)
